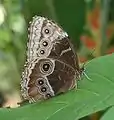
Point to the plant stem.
(104, 19)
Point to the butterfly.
(52, 65)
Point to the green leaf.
(5, 38)
(93, 94)
(109, 115)
(9, 75)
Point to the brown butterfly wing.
(63, 74)
(52, 66)
(63, 51)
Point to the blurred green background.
(89, 23)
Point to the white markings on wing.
(64, 51)
(34, 37)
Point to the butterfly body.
(52, 64)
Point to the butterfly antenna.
(83, 69)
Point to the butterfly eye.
(45, 43)
(43, 89)
(48, 95)
(40, 82)
(46, 67)
(47, 31)
(42, 52)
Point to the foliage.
(109, 115)
(11, 45)
(90, 25)
(87, 99)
